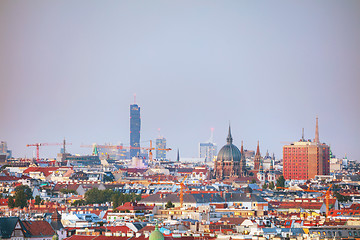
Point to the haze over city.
(70, 69)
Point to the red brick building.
(305, 159)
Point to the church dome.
(156, 234)
(229, 152)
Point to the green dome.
(55, 237)
(156, 234)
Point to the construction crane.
(37, 145)
(182, 186)
(327, 196)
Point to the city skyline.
(70, 70)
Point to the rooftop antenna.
(159, 132)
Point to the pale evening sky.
(70, 69)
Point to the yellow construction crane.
(182, 186)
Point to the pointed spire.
(242, 148)
(317, 131)
(271, 166)
(258, 149)
(229, 139)
(64, 144)
(261, 165)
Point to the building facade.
(305, 159)
(207, 151)
(135, 126)
(161, 144)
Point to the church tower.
(271, 175)
(257, 158)
(243, 161)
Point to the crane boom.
(37, 145)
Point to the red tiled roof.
(101, 237)
(303, 205)
(233, 220)
(196, 170)
(8, 178)
(70, 186)
(134, 206)
(37, 228)
(46, 170)
(114, 229)
(3, 202)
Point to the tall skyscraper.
(208, 149)
(160, 144)
(305, 159)
(135, 125)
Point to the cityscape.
(179, 120)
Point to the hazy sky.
(70, 69)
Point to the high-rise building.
(3, 147)
(305, 159)
(208, 149)
(160, 144)
(4, 150)
(135, 125)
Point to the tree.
(271, 185)
(264, 186)
(280, 182)
(67, 191)
(21, 199)
(342, 198)
(26, 189)
(169, 204)
(11, 202)
(116, 201)
(253, 181)
(37, 200)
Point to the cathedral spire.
(258, 149)
(317, 131)
(242, 148)
(229, 139)
(257, 158)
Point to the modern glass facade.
(135, 125)
(160, 144)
